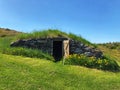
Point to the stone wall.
(77, 47)
(46, 45)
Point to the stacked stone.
(77, 47)
(46, 45)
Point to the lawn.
(23, 73)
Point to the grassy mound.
(53, 33)
(34, 53)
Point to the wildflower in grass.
(91, 62)
(79, 57)
(106, 63)
(99, 61)
(74, 55)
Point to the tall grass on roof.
(43, 34)
(54, 33)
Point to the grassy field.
(113, 53)
(25, 73)
(22, 73)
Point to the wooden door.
(65, 48)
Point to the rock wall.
(46, 45)
(77, 47)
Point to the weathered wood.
(65, 48)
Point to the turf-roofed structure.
(59, 46)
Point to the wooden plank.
(65, 48)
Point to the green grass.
(6, 49)
(103, 64)
(112, 53)
(34, 53)
(28, 52)
(51, 33)
(112, 45)
(43, 34)
(81, 39)
(22, 73)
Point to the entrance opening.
(57, 50)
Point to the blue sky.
(96, 20)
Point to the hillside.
(87, 54)
(8, 32)
(111, 49)
(22, 73)
(113, 53)
(112, 45)
(31, 69)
